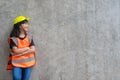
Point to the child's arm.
(30, 50)
(18, 51)
(23, 51)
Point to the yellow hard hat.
(19, 19)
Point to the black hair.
(16, 29)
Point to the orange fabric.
(26, 64)
(9, 66)
(21, 44)
(8, 40)
(23, 57)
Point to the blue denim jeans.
(21, 73)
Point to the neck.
(22, 33)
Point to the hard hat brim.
(28, 19)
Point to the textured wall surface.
(75, 39)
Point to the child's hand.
(27, 48)
(11, 53)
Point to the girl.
(22, 54)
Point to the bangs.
(24, 21)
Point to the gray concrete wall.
(75, 39)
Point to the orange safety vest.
(23, 61)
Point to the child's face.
(25, 26)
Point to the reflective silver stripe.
(29, 37)
(15, 40)
(23, 60)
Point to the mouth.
(26, 29)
